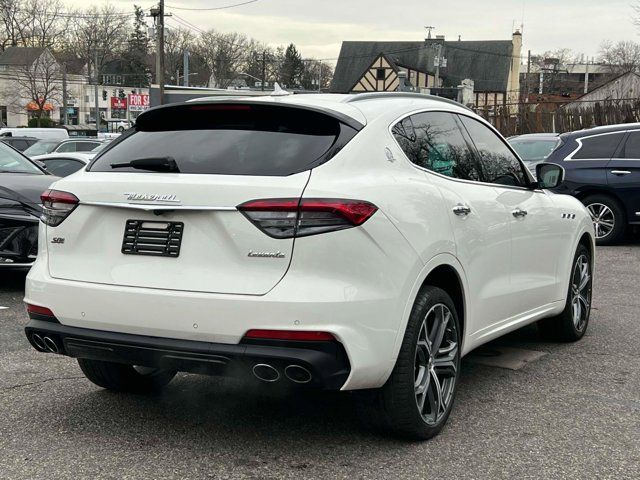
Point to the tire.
(395, 407)
(604, 208)
(125, 378)
(571, 324)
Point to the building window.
(381, 74)
(3, 116)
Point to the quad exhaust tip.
(266, 373)
(51, 345)
(298, 374)
(45, 344)
(38, 341)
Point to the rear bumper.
(326, 362)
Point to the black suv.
(602, 169)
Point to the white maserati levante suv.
(353, 242)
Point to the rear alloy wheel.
(572, 323)
(608, 218)
(416, 400)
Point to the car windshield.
(12, 162)
(41, 148)
(531, 150)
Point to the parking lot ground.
(573, 412)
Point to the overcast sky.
(319, 27)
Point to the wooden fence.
(539, 118)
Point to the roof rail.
(358, 97)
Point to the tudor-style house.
(492, 65)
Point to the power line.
(209, 9)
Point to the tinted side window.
(433, 140)
(499, 165)
(63, 166)
(632, 147)
(67, 147)
(598, 147)
(86, 146)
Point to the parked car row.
(602, 169)
(419, 235)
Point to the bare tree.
(98, 36)
(224, 54)
(621, 57)
(32, 23)
(176, 41)
(36, 86)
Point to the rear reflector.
(290, 335)
(39, 310)
(57, 206)
(292, 217)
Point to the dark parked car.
(534, 148)
(602, 169)
(19, 143)
(21, 184)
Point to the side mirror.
(549, 175)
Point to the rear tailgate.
(218, 246)
(171, 222)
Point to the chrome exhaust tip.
(298, 374)
(38, 342)
(51, 345)
(266, 373)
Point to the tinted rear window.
(234, 139)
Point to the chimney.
(514, 73)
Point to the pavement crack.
(13, 387)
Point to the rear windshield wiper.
(154, 164)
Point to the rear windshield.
(229, 139)
(534, 150)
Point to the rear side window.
(231, 139)
(433, 140)
(632, 147)
(598, 147)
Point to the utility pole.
(586, 78)
(65, 117)
(438, 61)
(319, 76)
(97, 77)
(185, 67)
(528, 83)
(264, 69)
(158, 18)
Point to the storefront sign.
(138, 102)
(118, 103)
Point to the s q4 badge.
(58, 240)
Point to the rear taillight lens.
(306, 336)
(292, 217)
(37, 309)
(57, 206)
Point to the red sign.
(118, 103)
(138, 102)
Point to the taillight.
(38, 310)
(292, 217)
(308, 336)
(57, 206)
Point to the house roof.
(20, 55)
(487, 63)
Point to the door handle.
(461, 210)
(519, 213)
(620, 172)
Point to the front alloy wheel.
(603, 218)
(435, 367)
(581, 292)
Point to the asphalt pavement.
(569, 411)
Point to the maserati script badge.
(265, 254)
(152, 197)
